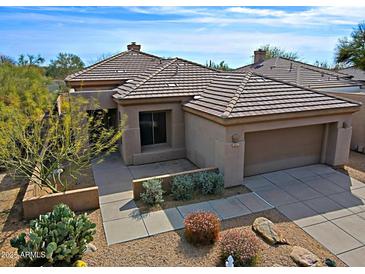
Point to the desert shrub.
(202, 228)
(58, 237)
(153, 193)
(242, 245)
(209, 182)
(183, 187)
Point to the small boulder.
(304, 257)
(90, 248)
(266, 229)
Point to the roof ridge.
(306, 88)
(197, 64)
(231, 104)
(315, 68)
(153, 74)
(78, 73)
(304, 65)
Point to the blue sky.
(194, 33)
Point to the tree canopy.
(273, 51)
(64, 64)
(351, 51)
(6, 59)
(30, 60)
(35, 141)
(220, 66)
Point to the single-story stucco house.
(244, 123)
(348, 83)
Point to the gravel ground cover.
(171, 248)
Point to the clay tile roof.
(172, 77)
(122, 66)
(300, 73)
(233, 95)
(357, 74)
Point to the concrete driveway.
(327, 204)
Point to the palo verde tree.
(351, 51)
(41, 149)
(23, 96)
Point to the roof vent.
(197, 97)
(134, 46)
(171, 85)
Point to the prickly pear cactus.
(58, 237)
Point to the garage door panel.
(272, 150)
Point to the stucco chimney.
(134, 46)
(259, 56)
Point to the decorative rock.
(304, 257)
(266, 229)
(90, 248)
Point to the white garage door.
(278, 149)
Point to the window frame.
(152, 127)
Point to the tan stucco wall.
(101, 99)
(203, 141)
(358, 121)
(131, 150)
(208, 143)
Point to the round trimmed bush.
(153, 193)
(209, 182)
(242, 245)
(202, 228)
(183, 187)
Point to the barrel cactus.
(58, 237)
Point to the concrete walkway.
(124, 222)
(325, 203)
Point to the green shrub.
(202, 228)
(209, 182)
(242, 245)
(153, 193)
(58, 237)
(183, 187)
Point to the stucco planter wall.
(166, 180)
(78, 200)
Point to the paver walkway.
(325, 203)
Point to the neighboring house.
(242, 123)
(343, 83)
(357, 74)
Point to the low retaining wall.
(166, 180)
(78, 200)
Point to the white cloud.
(199, 34)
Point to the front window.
(153, 127)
